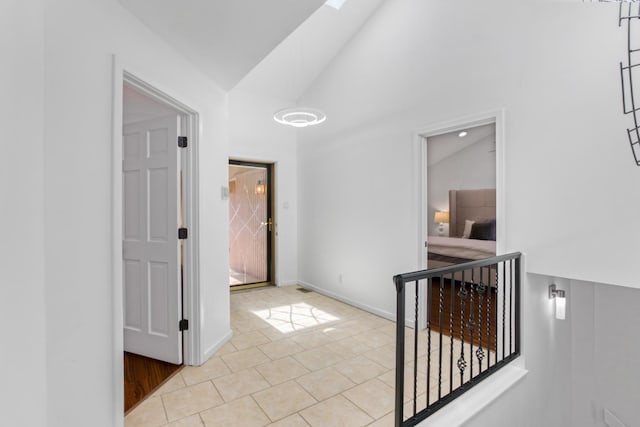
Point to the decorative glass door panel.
(250, 224)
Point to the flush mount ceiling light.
(300, 117)
(463, 134)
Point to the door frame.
(189, 164)
(420, 149)
(271, 212)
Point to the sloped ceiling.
(448, 144)
(224, 38)
(291, 67)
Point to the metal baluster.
(472, 323)
(415, 347)
(399, 401)
(504, 302)
(462, 364)
(429, 297)
(440, 309)
(489, 315)
(517, 298)
(510, 305)
(481, 290)
(452, 285)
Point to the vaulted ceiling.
(224, 38)
(276, 47)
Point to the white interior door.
(152, 286)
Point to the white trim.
(420, 147)
(467, 406)
(191, 299)
(287, 283)
(217, 346)
(372, 310)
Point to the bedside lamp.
(442, 218)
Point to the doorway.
(156, 254)
(251, 224)
(463, 194)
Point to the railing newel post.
(400, 320)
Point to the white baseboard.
(342, 298)
(287, 283)
(217, 346)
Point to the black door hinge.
(182, 233)
(183, 325)
(182, 141)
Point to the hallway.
(297, 359)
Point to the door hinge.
(183, 325)
(182, 141)
(182, 233)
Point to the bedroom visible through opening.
(461, 195)
(460, 210)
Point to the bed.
(471, 237)
(478, 206)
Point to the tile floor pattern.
(296, 359)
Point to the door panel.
(153, 301)
(250, 223)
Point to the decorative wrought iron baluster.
(489, 347)
(440, 310)
(462, 363)
(472, 322)
(429, 297)
(482, 288)
(452, 286)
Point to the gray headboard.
(471, 205)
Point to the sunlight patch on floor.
(295, 317)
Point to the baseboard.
(342, 298)
(287, 283)
(217, 346)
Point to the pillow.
(467, 229)
(483, 230)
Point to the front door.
(152, 286)
(250, 224)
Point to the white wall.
(552, 67)
(254, 135)
(22, 303)
(470, 168)
(80, 39)
(566, 146)
(604, 348)
(543, 397)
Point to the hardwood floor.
(142, 376)
(479, 316)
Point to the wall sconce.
(561, 301)
(442, 218)
(261, 187)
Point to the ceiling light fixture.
(463, 134)
(300, 117)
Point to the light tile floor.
(296, 359)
